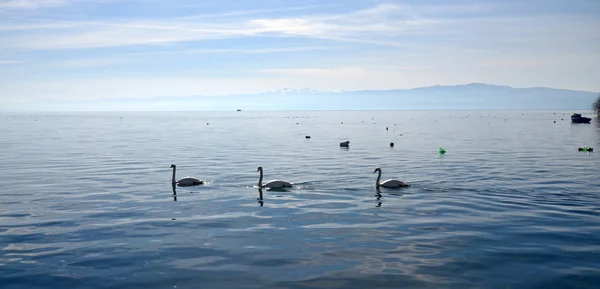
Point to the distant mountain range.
(468, 96)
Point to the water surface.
(86, 200)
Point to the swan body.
(185, 182)
(274, 184)
(390, 184)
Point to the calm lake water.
(86, 200)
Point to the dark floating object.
(391, 144)
(207, 123)
(555, 121)
(307, 136)
(345, 144)
(577, 118)
(586, 149)
(386, 128)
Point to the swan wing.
(393, 184)
(189, 181)
(277, 184)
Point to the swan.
(187, 181)
(274, 184)
(390, 184)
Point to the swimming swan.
(274, 184)
(390, 184)
(187, 181)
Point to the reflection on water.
(174, 193)
(378, 195)
(260, 197)
(512, 192)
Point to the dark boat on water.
(577, 118)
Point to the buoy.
(442, 151)
(391, 144)
(386, 128)
(307, 136)
(586, 149)
(345, 143)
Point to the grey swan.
(187, 181)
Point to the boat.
(577, 118)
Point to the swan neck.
(173, 179)
(260, 179)
(378, 178)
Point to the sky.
(68, 50)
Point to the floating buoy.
(386, 128)
(307, 136)
(586, 149)
(345, 143)
(391, 144)
(442, 151)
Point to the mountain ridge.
(463, 96)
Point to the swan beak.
(374, 171)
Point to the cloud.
(345, 72)
(9, 61)
(243, 12)
(387, 24)
(18, 27)
(30, 4)
(364, 26)
(248, 51)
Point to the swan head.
(259, 169)
(377, 170)
(172, 166)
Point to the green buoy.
(442, 151)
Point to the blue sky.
(90, 49)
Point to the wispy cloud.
(245, 51)
(244, 12)
(9, 61)
(363, 26)
(31, 4)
